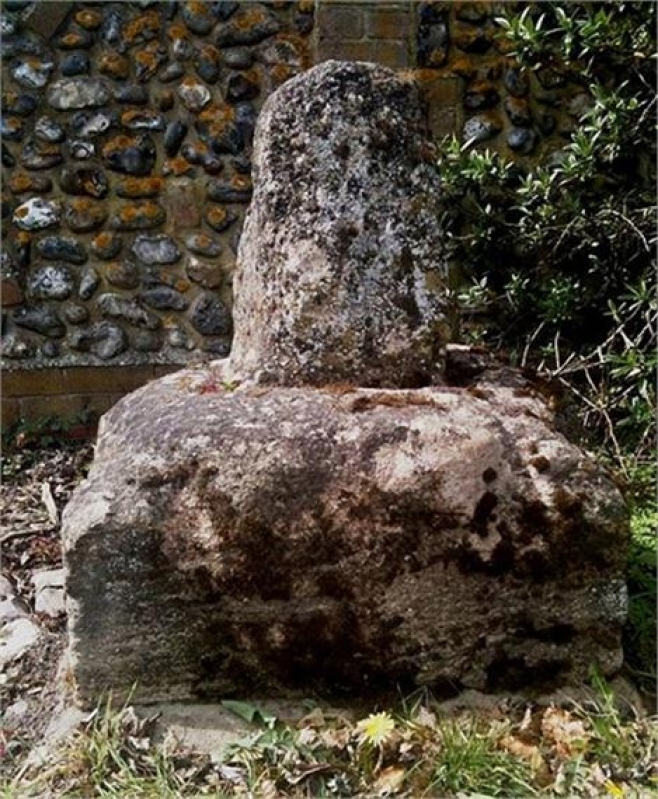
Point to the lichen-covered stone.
(130, 155)
(248, 26)
(53, 282)
(142, 119)
(32, 72)
(11, 128)
(242, 86)
(174, 136)
(194, 95)
(132, 93)
(481, 95)
(209, 316)
(163, 298)
(522, 140)
(433, 37)
(49, 130)
(81, 150)
(106, 245)
(25, 183)
(89, 283)
(219, 218)
(77, 63)
(148, 60)
(75, 38)
(202, 244)
(105, 340)
(207, 63)
(83, 215)
(142, 215)
(89, 124)
(139, 188)
(161, 249)
(42, 319)
(198, 16)
(116, 306)
(22, 104)
(238, 57)
(60, 248)
(37, 214)
(217, 128)
(40, 155)
(236, 190)
(122, 274)
(206, 274)
(237, 540)
(74, 93)
(518, 112)
(516, 82)
(147, 340)
(8, 159)
(75, 313)
(482, 127)
(84, 182)
(341, 264)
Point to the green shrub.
(553, 262)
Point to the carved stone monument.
(323, 511)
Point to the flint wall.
(126, 134)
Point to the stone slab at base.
(234, 540)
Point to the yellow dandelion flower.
(376, 728)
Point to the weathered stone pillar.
(341, 265)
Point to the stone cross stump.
(324, 512)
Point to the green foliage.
(554, 260)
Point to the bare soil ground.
(37, 482)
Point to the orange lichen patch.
(23, 237)
(241, 182)
(177, 32)
(102, 240)
(114, 64)
(145, 210)
(145, 26)
(140, 187)
(217, 118)
(300, 45)
(21, 213)
(88, 19)
(217, 112)
(177, 167)
(118, 143)
(20, 182)
(280, 73)
(182, 285)
(216, 215)
(128, 116)
(147, 58)
(197, 7)
(306, 6)
(463, 67)
(72, 40)
(247, 19)
(84, 206)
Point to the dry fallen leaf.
(390, 780)
(568, 735)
